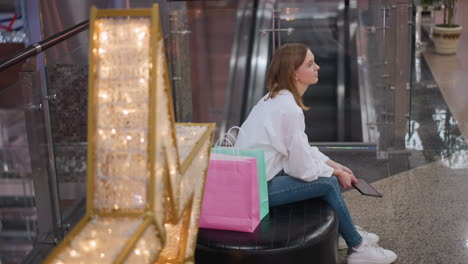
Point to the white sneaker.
(371, 238)
(370, 254)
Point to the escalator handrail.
(40, 46)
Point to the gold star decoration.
(146, 173)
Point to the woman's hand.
(346, 179)
(337, 166)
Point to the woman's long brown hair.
(284, 63)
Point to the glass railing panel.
(373, 71)
(417, 122)
(26, 217)
(384, 41)
(67, 88)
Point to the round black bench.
(302, 232)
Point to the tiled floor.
(423, 214)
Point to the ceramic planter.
(446, 38)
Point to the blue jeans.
(284, 189)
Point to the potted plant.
(426, 7)
(447, 35)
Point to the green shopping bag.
(261, 169)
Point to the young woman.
(295, 170)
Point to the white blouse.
(277, 126)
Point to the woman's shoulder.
(286, 102)
(282, 106)
(283, 97)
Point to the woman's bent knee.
(334, 179)
(332, 183)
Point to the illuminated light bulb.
(109, 231)
(104, 36)
(101, 51)
(102, 255)
(115, 207)
(129, 137)
(142, 80)
(92, 244)
(137, 252)
(104, 95)
(94, 51)
(142, 35)
(142, 140)
(73, 253)
(182, 138)
(113, 131)
(100, 132)
(125, 112)
(139, 199)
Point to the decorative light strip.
(121, 148)
(145, 173)
(99, 241)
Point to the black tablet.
(366, 189)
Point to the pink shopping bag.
(231, 198)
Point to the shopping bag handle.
(224, 137)
(238, 129)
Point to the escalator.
(333, 122)
(335, 113)
(334, 117)
(320, 34)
